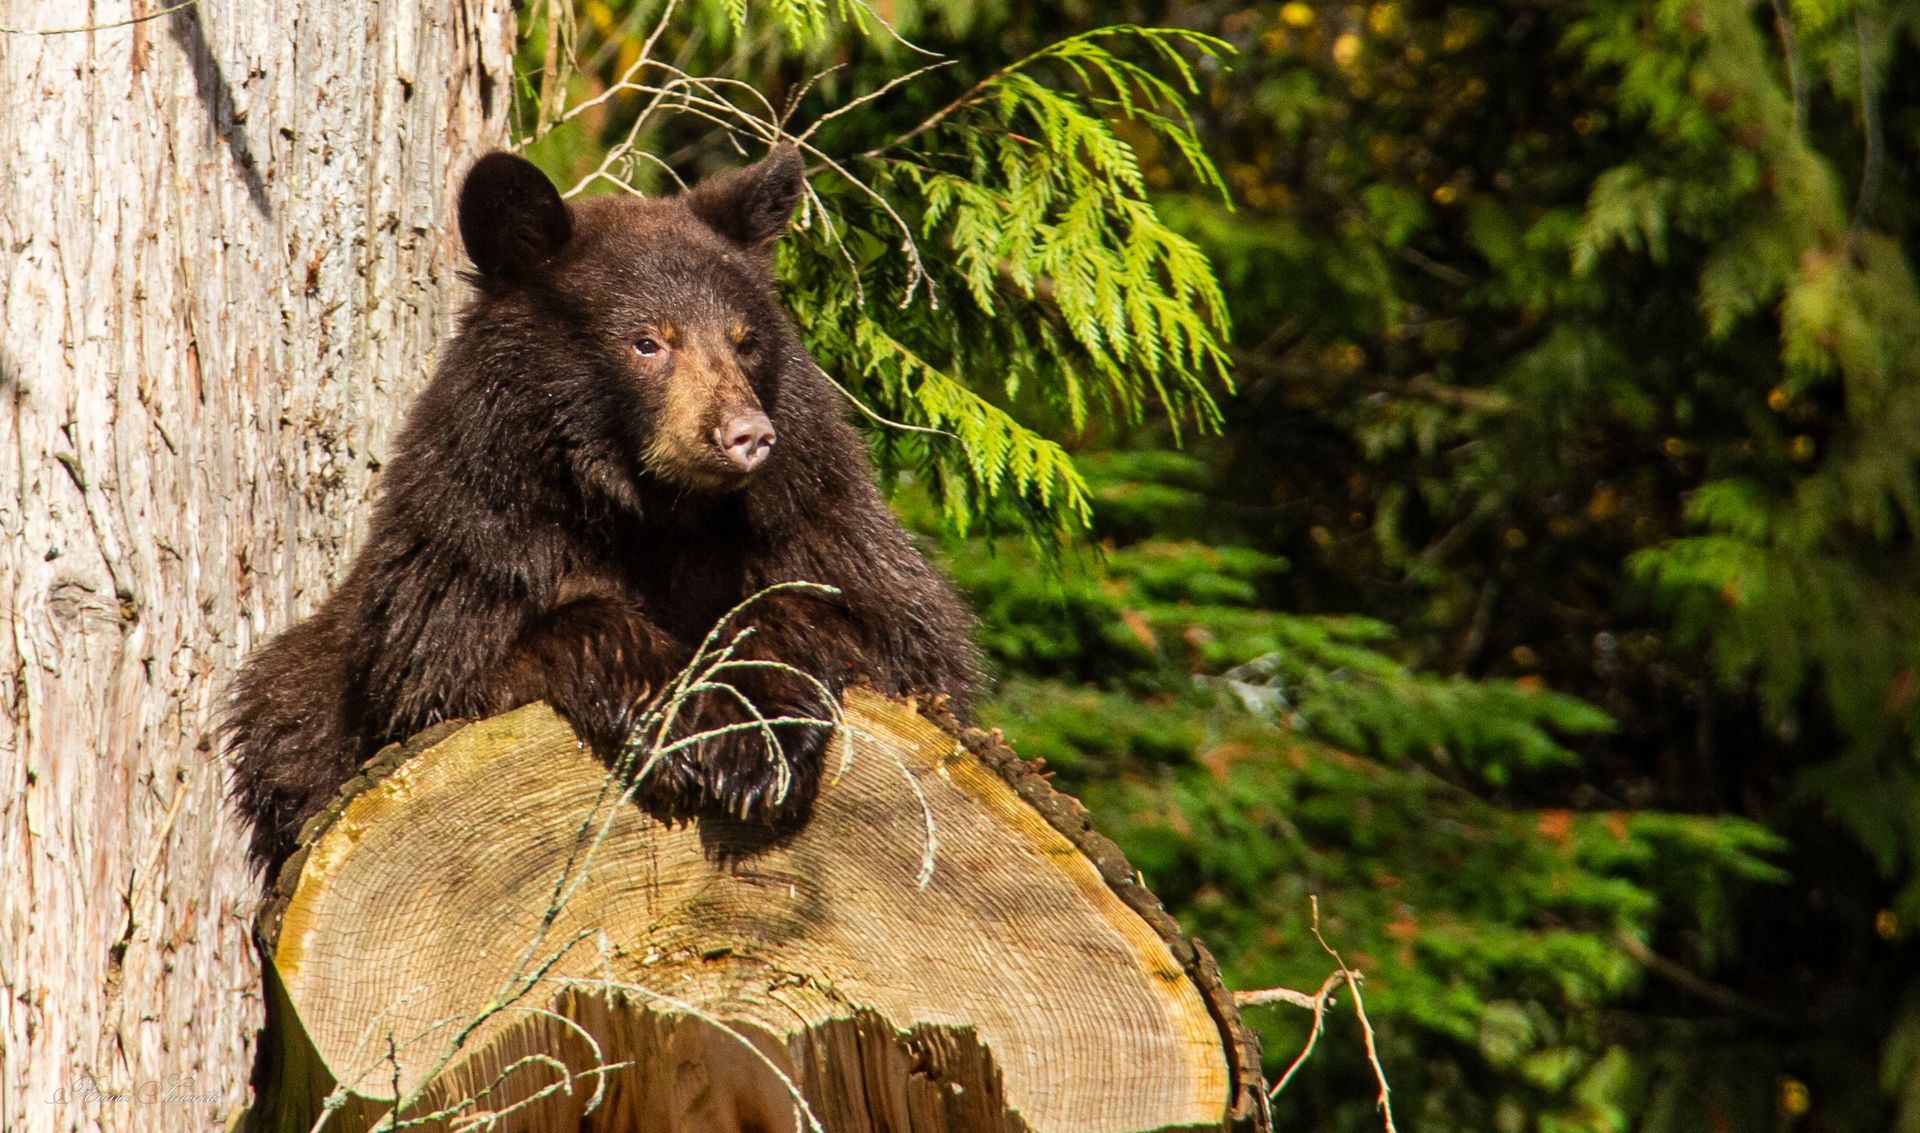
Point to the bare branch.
(1318, 1003)
(1267, 997)
(1790, 47)
(1360, 1012)
(181, 7)
(896, 81)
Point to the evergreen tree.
(1575, 348)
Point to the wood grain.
(1017, 989)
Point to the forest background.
(1459, 461)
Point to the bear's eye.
(749, 343)
(646, 347)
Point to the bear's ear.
(752, 206)
(512, 219)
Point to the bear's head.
(650, 326)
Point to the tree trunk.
(227, 251)
(479, 925)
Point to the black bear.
(624, 440)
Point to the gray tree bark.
(225, 234)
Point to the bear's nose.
(746, 439)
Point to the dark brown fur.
(557, 522)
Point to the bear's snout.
(746, 440)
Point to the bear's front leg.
(598, 661)
(750, 733)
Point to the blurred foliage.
(1248, 758)
(1575, 346)
(1579, 343)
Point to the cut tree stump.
(483, 886)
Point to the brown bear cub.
(624, 441)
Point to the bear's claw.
(738, 772)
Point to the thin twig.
(634, 68)
(974, 91)
(181, 7)
(711, 83)
(551, 92)
(1268, 996)
(891, 424)
(795, 96)
(1360, 1012)
(1318, 1003)
(1790, 47)
(897, 80)
(893, 31)
(1696, 984)
(1869, 126)
(931, 844)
